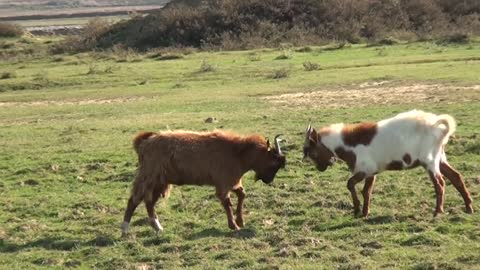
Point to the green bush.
(309, 66)
(10, 30)
(7, 75)
(279, 74)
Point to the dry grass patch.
(378, 93)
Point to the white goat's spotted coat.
(418, 134)
(405, 141)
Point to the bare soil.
(383, 92)
(71, 102)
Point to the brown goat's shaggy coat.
(216, 159)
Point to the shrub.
(286, 54)
(93, 69)
(240, 24)
(382, 51)
(334, 47)
(123, 54)
(280, 73)
(304, 49)
(384, 42)
(254, 57)
(168, 57)
(87, 40)
(457, 38)
(309, 66)
(206, 67)
(6, 45)
(7, 75)
(10, 30)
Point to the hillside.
(236, 24)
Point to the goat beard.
(264, 180)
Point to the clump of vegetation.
(93, 69)
(232, 24)
(254, 57)
(6, 45)
(456, 38)
(10, 30)
(335, 46)
(8, 75)
(168, 57)
(41, 76)
(388, 41)
(382, 51)
(122, 54)
(96, 69)
(305, 49)
(206, 67)
(58, 59)
(286, 54)
(86, 41)
(179, 84)
(280, 73)
(310, 66)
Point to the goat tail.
(142, 136)
(449, 126)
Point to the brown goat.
(215, 158)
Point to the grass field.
(67, 121)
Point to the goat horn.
(309, 129)
(277, 144)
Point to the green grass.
(67, 163)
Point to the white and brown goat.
(408, 140)
(215, 158)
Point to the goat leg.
(152, 216)
(351, 186)
(224, 198)
(239, 213)
(367, 193)
(456, 180)
(133, 202)
(439, 185)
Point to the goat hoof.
(124, 228)
(234, 227)
(239, 222)
(156, 225)
(469, 210)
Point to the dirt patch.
(378, 93)
(68, 102)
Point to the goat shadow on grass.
(57, 243)
(358, 221)
(214, 232)
(385, 219)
